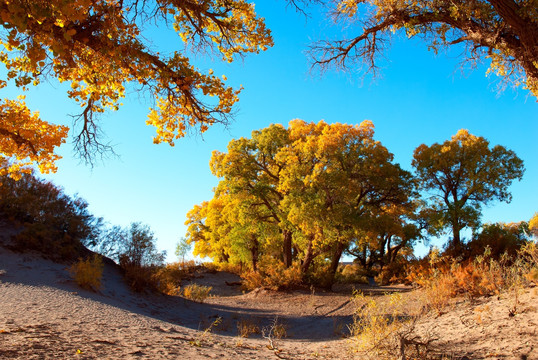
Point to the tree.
(132, 248)
(390, 231)
(336, 175)
(296, 197)
(183, 247)
(98, 47)
(251, 170)
(501, 239)
(503, 31)
(463, 174)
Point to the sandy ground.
(44, 315)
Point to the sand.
(45, 315)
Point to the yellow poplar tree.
(97, 46)
(462, 174)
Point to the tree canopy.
(99, 48)
(463, 174)
(502, 31)
(297, 197)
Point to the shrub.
(52, 222)
(273, 275)
(444, 278)
(246, 327)
(529, 254)
(140, 278)
(88, 273)
(385, 330)
(351, 273)
(167, 279)
(195, 292)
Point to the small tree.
(139, 248)
(183, 247)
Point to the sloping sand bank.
(44, 315)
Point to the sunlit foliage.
(99, 48)
(296, 198)
(533, 225)
(503, 32)
(25, 140)
(462, 174)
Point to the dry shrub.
(252, 280)
(168, 278)
(444, 278)
(140, 278)
(529, 254)
(273, 275)
(231, 268)
(195, 292)
(385, 330)
(280, 331)
(352, 274)
(88, 273)
(247, 327)
(211, 267)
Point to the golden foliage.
(98, 48)
(533, 225)
(273, 275)
(501, 32)
(168, 278)
(25, 140)
(88, 273)
(195, 292)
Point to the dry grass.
(88, 273)
(247, 327)
(195, 292)
(386, 330)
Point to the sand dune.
(44, 315)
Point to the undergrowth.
(195, 292)
(88, 273)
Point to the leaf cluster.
(98, 48)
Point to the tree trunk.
(309, 256)
(254, 252)
(337, 254)
(286, 248)
(456, 240)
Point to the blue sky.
(420, 98)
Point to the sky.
(419, 98)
